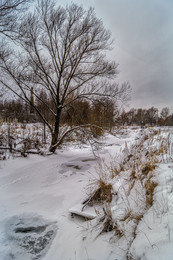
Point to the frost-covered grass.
(23, 138)
(20, 138)
(133, 180)
(127, 181)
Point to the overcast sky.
(143, 46)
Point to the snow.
(38, 193)
(88, 213)
(155, 232)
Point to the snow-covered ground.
(37, 192)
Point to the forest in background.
(102, 112)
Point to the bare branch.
(10, 13)
(63, 54)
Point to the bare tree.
(9, 14)
(63, 51)
(164, 113)
(152, 114)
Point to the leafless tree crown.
(9, 14)
(63, 52)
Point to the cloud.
(143, 46)
(143, 36)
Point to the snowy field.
(38, 192)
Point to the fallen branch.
(68, 132)
(19, 151)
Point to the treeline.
(102, 112)
(143, 117)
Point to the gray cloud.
(143, 46)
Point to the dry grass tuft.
(146, 137)
(127, 216)
(150, 186)
(137, 217)
(133, 175)
(103, 193)
(148, 168)
(132, 216)
(109, 223)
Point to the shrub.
(96, 131)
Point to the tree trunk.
(55, 133)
